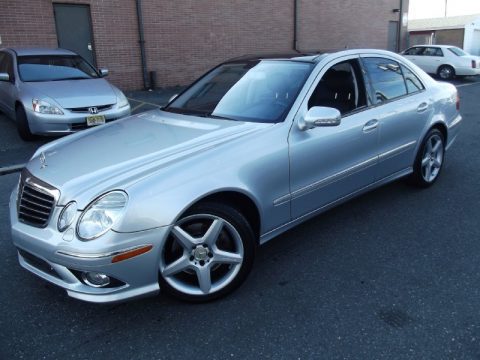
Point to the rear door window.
(386, 78)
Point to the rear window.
(54, 68)
(457, 51)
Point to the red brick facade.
(183, 38)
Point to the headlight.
(43, 107)
(122, 100)
(101, 215)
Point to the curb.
(11, 169)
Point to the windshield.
(255, 91)
(54, 68)
(458, 51)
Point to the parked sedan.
(55, 91)
(258, 145)
(443, 60)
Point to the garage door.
(475, 49)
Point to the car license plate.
(95, 120)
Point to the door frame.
(90, 25)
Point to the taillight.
(458, 102)
(474, 64)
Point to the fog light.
(95, 279)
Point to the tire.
(22, 124)
(446, 72)
(208, 253)
(429, 160)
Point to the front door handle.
(370, 125)
(422, 107)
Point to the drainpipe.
(142, 43)
(295, 20)
(400, 27)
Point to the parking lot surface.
(393, 274)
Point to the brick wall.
(186, 37)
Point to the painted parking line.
(138, 106)
(462, 85)
(11, 169)
(145, 102)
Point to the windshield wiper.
(220, 117)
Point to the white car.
(443, 60)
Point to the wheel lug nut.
(191, 258)
(202, 262)
(210, 255)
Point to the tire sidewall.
(22, 124)
(239, 222)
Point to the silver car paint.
(64, 94)
(166, 162)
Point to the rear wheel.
(446, 72)
(22, 124)
(208, 253)
(429, 160)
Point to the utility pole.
(446, 6)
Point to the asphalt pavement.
(393, 274)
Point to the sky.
(421, 9)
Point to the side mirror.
(320, 116)
(4, 77)
(172, 98)
(103, 72)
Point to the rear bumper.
(62, 260)
(467, 71)
(45, 124)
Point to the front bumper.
(69, 122)
(43, 253)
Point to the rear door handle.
(422, 107)
(370, 125)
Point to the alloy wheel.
(202, 255)
(432, 158)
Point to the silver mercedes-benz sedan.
(55, 92)
(257, 145)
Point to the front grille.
(36, 200)
(100, 108)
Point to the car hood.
(123, 152)
(76, 93)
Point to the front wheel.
(429, 160)
(208, 253)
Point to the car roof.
(32, 51)
(294, 56)
(438, 46)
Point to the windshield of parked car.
(54, 68)
(255, 91)
(458, 51)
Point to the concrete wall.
(183, 38)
